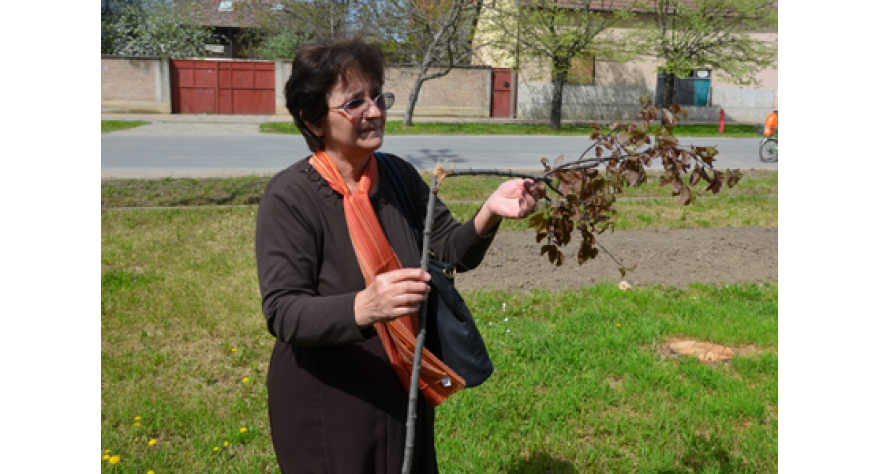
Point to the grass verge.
(580, 385)
(751, 203)
(441, 128)
(114, 125)
(668, 214)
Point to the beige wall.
(135, 85)
(464, 92)
(282, 74)
(143, 85)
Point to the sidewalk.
(198, 118)
(218, 118)
(256, 119)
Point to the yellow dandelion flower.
(618, 324)
(234, 349)
(225, 444)
(105, 457)
(114, 459)
(107, 451)
(152, 442)
(137, 418)
(242, 430)
(216, 448)
(137, 424)
(245, 380)
(150, 472)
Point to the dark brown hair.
(317, 67)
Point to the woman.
(337, 403)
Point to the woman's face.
(347, 136)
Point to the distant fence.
(595, 102)
(143, 85)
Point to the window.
(226, 6)
(583, 71)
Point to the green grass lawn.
(582, 386)
(438, 128)
(753, 202)
(114, 125)
(581, 382)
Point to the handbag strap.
(409, 209)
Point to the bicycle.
(768, 150)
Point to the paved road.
(233, 149)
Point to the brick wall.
(143, 85)
(135, 84)
(464, 92)
(461, 93)
(127, 79)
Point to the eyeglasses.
(360, 107)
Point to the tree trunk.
(413, 96)
(447, 23)
(556, 102)
(668, 93)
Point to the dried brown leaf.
(559, 160)
(684, 198)
(695, 177)
(677, 186)
(633, 177)
(536, 220)
(734, 178)
(717, 183)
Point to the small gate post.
(163, 84)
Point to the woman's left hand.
(514, 199)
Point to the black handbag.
(450, 330)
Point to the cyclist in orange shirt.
(768, 149)
(771, 125)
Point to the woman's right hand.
(392, 295)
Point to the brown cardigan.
(335, 403)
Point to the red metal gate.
(222, 87)
(501, 92)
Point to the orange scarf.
(375, 256)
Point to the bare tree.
(431, 36)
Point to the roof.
(219, 13)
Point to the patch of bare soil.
(664, 257)
(708, 352)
